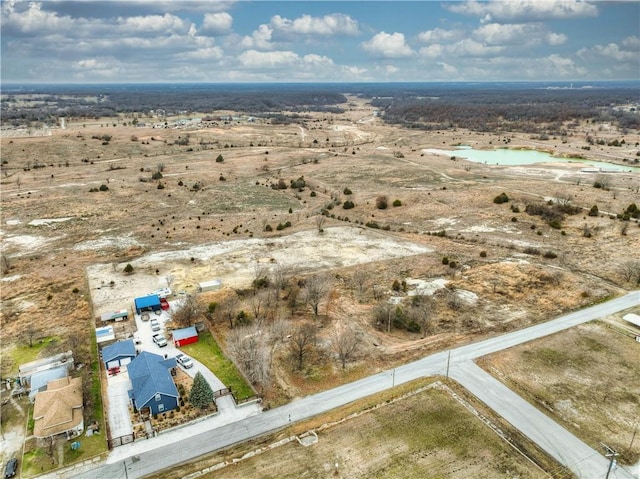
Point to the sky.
(171, 41)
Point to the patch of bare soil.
(586, 378)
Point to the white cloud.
(91, 68)
(33, 19)
(631, 43)
(438, 35)
(555, 39)
(217, 23)
(328, 25)
(257, 59)
(509, 34)
(155, 24)
(260, 38)
(472, 48)
(387, 45)
(210, 53)
(526, 10)
(432, 51)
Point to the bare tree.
(315, 289)
(29, 334)
(378, 292)
(249, 348)
(302, 343)
(226, 309)
(258, 303)
(169, 279)
(563, 199)
(421, 312)
(346, 343)
(360, 280)
(320, 220)
(631, 270)
(260, 277)
(603, 181)
(383, 314)
(188, 311)
(282, 274)
(293, 294)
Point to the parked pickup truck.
(160, 340)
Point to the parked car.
(160, 340)
(155, 325)
(11, 468)
(184, 361)
(144, 316)
(164, 304)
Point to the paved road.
(570, 451)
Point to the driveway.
(118, 403)
(145, 336)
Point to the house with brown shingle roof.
(58, 410)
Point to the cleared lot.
(429, 434)
(586, 378)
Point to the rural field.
(586, 378)
(432, 431)
(244, 201)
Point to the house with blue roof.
(118, 354)
(147, 303)
(152, 383)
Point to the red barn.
(185, 336)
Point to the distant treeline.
(532, 111)
(83, 104)
(527, 107)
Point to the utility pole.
(612, 454)
(448, 360)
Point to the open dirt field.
(586, 378)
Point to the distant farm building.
(119, 315)
(118, 354)
(147, 303)
(212, 285)
(105, 334)
(184, 336)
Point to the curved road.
(147, 457)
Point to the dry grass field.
(425, 434)
(76, 209)
(586, 378)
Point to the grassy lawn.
(22, 353)
(35, 460)
(89, 447)
(207, 351)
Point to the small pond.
(507, 157)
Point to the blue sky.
(312, 41)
